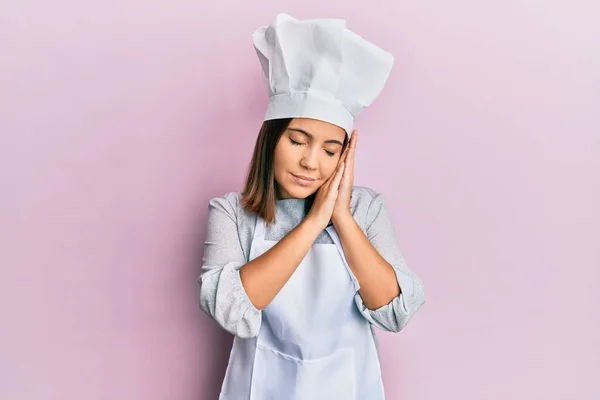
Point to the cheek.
(328, 167)
(282, 160)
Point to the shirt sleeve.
(394, 316)
(222, 295)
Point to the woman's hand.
(322, 208)
(342, 203)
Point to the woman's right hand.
(322, 208)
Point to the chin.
(299, 192)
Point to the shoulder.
(229, 203)
(365, 205)
(227, 200)
(231, 199)
(364, 197)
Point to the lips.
(303, 181)
(304, 178)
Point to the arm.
(222, 295)
(234, 292)
(264, 276)
(390, 293)
(376, 277)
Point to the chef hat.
(318, 69)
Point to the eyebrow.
(311, 136)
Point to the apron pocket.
(277, 376)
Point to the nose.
(309, 159)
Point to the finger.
(353, 152)
(339, 165)
(340, 161)
(348, 168)
(338, 176)
(338, 168)
(344, 179)
(344, 155)
(353, 138)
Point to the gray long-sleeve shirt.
(230, 230)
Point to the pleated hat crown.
(319, 69)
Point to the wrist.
(342, 218)
(312, 225)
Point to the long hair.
(260, 189)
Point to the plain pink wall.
(120, 120)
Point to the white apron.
(313, 342)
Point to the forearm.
(376, 277)
(264, 276)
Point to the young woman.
(301, 264)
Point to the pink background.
(119, 120)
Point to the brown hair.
(260, 189)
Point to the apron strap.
(338, 244)
(260, 228)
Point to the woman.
(301, 264)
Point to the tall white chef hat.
(318, 69)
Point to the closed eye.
(294, 143)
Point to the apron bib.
(313, 343)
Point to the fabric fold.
(224, 298)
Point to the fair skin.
(313, 149)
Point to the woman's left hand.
(342, 204)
